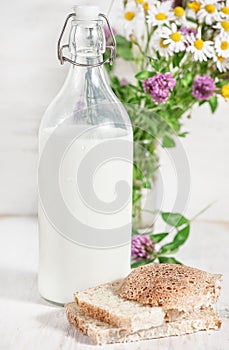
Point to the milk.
(88, 242)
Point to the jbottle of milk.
(85, 169)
